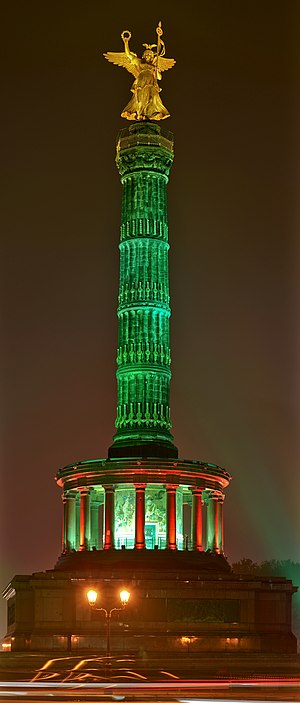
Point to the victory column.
(141, 487)
(144, 522)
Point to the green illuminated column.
(144, 159)
(70, 520)
(212, 530)
(221, 524)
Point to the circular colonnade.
(142, 504)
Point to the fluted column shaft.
(109, 517)
(94, 521)
(197, 519)
(171, 517)
(64, 524)
(144, 159)
(85, 519)
(139, 516)
(221, 524)
(70, 521)
(213, 522)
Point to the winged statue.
(145, 103)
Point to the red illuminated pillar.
(197, 519)
(109, 517)
(213, 522)
(171, 517)
(139, 516)
(77, 511)
(85, 519)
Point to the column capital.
(96, 498)
(140, 486)
(214, 494)
(197, 490)
(84, 490)
(70, 494)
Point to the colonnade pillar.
(171, 517)
(221, 523)
(64, 523)
(109, 517)
(85, 519)
(215, 522)
(95, 537)
(139, 542)
(197, 519)
(69, 521)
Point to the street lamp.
(92, 598)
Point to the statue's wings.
(165, 64)
(121, 59)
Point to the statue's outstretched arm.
(126, 36)
(127, 59)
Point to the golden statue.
(145, 103)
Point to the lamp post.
(92, 598)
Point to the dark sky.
(234, 262)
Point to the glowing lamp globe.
(92, 596)
(124, 597)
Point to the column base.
(144, 450)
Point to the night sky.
(234, 259)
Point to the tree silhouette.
(274, 567)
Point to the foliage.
(274, 567)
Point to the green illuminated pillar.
(221, 524)
(144, 158)
(212, 530)
(70, 520)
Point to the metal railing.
(128, 138)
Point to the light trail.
(157, 685)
